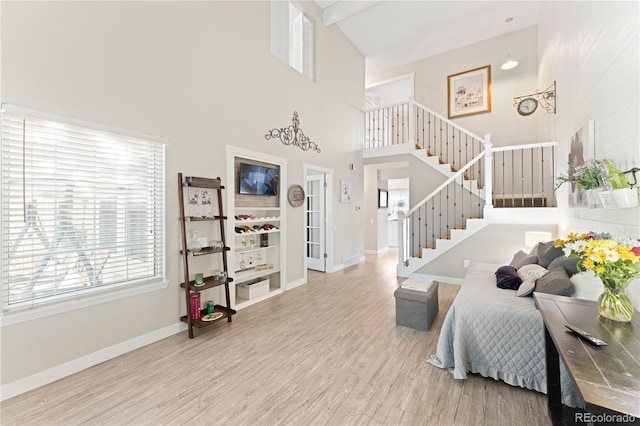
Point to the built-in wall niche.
(252, 200)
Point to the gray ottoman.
(417, 309)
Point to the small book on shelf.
(195, 305)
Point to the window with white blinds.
(82, 209)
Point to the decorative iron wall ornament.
(293, 135)
(546, 98)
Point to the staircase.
(476, 178)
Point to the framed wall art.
(469, 92)
(581, 150)
(383, 199)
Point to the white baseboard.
(341, 266)
(425, 277)
(68, 368)
(296, 283)
(379, 251)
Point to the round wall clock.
(296, 195)
(527, 106)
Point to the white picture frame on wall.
(581, 149)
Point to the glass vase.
(614, 303)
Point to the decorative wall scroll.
(293, 135)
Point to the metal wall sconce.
(633, 172)
(293, 135)
(527, 104)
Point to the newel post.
(412, 122)
(401, 237)
(488, 172)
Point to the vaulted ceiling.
(395, 32)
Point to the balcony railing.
(484, 176)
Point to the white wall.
(200, 74)
(503, 122)
(592, 50)
(496, 244)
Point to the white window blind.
(82, 209)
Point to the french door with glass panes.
(315, 226)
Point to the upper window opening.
(292, 37)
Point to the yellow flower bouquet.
(615, 260)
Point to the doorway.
(318, 245)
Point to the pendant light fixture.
(510, 63)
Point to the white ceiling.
(395, 32)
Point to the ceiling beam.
(343, 9)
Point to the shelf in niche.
(272, 231)
(259, 220)
(249, 274)
(258, 208)
(256, 249)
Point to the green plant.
(585, 176)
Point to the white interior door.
(315, 222)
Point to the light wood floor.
(326, 353)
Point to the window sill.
(108, 295)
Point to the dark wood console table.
(607, 377)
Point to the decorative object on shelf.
(614, 181)
(469, 92)
(195, 305)
(345, 191)
(527, 104)
(212, 316)
(615, 260)
(199, 279)
(625, 197)
(293, 135)
(194, 244)
(296, 195)
(584, 176)
(210, 306)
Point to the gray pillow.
(521, 258)
(556, 281)
(568, 263)
(547, 252)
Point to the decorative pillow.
(521, 258)
(568, 263)
(556, 281)
(526, 288)
(507, 277)
(547, 252)
(531, 271)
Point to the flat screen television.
(258, 180)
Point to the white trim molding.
(71, 367)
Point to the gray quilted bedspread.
(492, 332)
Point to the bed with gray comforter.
(492, 332)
